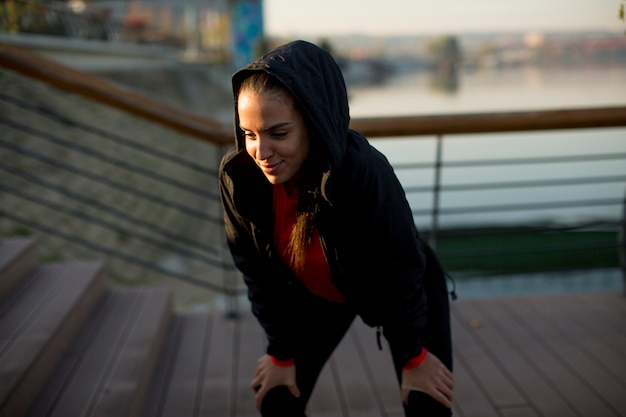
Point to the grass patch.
(521, 251)
(21, 231)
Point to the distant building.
(247, 30)
(225, 30)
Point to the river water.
(497, 91)
(510, 90)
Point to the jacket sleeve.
(267, 280)
(395, 274)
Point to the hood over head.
(315, 80)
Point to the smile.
(270, 169)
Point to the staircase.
(70, 344)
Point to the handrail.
(93, 87)
(491, 122)
(34, 65)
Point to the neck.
(291, 187)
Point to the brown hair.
(304, 229)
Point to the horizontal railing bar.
(120, 214)
(518, 184)
(108, 159)
(535, 228)
(400, 126)
(126, 257)
(95, 88)
(109, 225)
(109, 182)
(505, 250)
(522, 207)
(108, 135)
(514, 161)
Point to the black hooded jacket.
(365, 223)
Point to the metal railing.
(148, 197)
(124, 198)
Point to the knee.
(421, 404)
(279, 402)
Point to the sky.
(415, 17)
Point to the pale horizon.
(427, 17)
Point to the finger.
(443, 399)
(295, 391)
(258, 398)
(449, 379)
(446, 391)
(404, 393)
(256, 382)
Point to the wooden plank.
(609, 310)
(157, 394)
(592, 333)
(486, 370)
(512, 357)
(249, 346)
(218, 388)
(526, 326)
(470, 399)
(39, 344)
(518, 412)
(185, 373)
(21, 307)
(507, 340)
(92, 368)
(582, 362)
(104, 376)
(17, 258)
(71, 359)
(123, 391)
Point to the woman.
(319, 225)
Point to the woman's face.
(275, 133)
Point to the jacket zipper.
(378, 341)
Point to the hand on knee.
(431, 377)
(269, 375)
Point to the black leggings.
(323, 325)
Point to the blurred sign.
(247, 30)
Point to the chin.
(274, 180)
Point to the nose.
(263, 149)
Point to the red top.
(316, 275)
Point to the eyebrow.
(273, 127)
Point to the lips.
(270, 168)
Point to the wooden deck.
(69, 347)
(552, 355)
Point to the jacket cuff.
(279, 351)
(279, 362)
(416, 361)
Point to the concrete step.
(107, 369)
(17, 258)
(39, 318)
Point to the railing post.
(434, 228)
(622, 243)
(229, 275)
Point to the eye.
(278, 135)
(249, 135)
